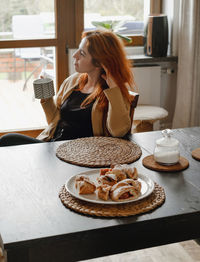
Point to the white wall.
(148, 81)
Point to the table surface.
(36, 226)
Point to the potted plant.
(113, 26)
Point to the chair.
(134, 100)
(148, 111)
(145, 116)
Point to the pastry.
(103, 192)
(124, 193)
(135, 183)
(131, 172)
(108, 179)
(119, 184)
(80, 178)
(84, 185)
(103, 171)
(131, 182)
(119, 174)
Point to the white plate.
(146, 189)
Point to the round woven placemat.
(98, 151)
(150, 163)
(196, 153)
(151, 202)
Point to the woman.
(95, 100)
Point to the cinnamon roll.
(124, 193)
(130, 172)
(108, 179)
(131, 182)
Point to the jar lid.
(167, 140)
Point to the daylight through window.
(126, 16)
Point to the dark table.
(35, 226)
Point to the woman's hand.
(42, 100)
(108, 78)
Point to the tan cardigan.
(116, 123)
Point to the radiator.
(148, 83)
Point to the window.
(23, 20)
(130, 12)
(127, 16)
(33, 39)
(18, 68)
(20, 65)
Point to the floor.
(187, 251)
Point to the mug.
(43, 88)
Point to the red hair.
(106, 49)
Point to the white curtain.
(187, 109)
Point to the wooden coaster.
(151, 202)
(150, 163)
(196, 154)
(98, 151)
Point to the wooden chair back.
(134, 99)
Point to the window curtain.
(187, 38)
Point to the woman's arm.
(118, 120)
(51, 106)
(50, 109)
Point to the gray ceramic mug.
(43, 88)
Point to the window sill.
(134, 50)
(34, 132)
(141, 59)
(136, 55)
(137, 40)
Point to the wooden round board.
(196, 153)
(150, 163)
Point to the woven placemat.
(196, 153)
(151, 202)
(150, 163)
(98, 151)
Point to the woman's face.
(83, 59)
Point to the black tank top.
(75, 121)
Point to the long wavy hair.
(108, 50)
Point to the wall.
(156, 84)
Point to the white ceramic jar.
(167, 149)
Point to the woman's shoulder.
(73, 79)
(70, 82)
